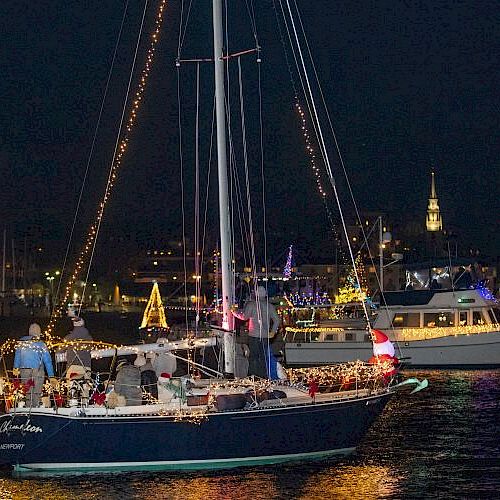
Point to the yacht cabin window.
(406, 320)
(462, 318)
(439, 319)
(477, 318)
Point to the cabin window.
(368, 337)
(438, 319)
(462, 318)
(406, 320)
(477, 318)
(349, 336)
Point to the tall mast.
(224, 215)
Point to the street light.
(50, 279)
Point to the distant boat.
(433, 328)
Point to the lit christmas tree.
(154, 314)
(351, 291)
(287, 271)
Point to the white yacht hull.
(479, 350)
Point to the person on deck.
(149, 380)
(263, 323)
(128, 383)
(30, 359)
(78, 360)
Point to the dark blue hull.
(229, 439)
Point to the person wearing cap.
(263, 323)
(31, 360)
(78, 360)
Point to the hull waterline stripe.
(181, 464)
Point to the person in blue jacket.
(31, 360)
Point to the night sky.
(411, 86)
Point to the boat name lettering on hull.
(8, 427)
(12, 446)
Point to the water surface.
(440, 443)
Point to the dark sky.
(410, 85)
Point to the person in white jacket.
(263, 323)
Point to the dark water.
(440, 443)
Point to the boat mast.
(224, 215)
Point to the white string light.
(135, 106)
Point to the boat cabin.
(437, 308)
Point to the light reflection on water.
(440, 443)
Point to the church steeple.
(433, 220)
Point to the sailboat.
(202, 423)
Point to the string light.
(308, 299)
(216, 301)
(310, 150)
(411, 334)
(316, 171)
(314, 329)
(444, 331)
(92, 233)
(341, 374)
(485, 292)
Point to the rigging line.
(334, 135)
(301, 79)
(236, 187)
(227, 103)
(365, 243)
(323, 153)
(241, 216)
(329, 170)
(235, 183)
(181, 164)
(251, 15)
(183, 29)
(236, 193)
(207, 188)
(264, 215)
(248, 196)
(296, 95)
(180, 30)
(89, 159)
(110, 174)
(197, 202)
(262, 175)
